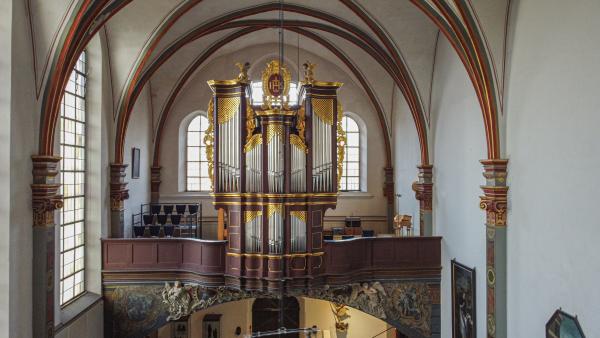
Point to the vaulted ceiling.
(379, 43)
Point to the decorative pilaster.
(388, 191)
(154, 184)
(423, 189)
(118, 194)
(494, 202)
(45, 200)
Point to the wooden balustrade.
(204, 260)
(374, 258)
(163, 258)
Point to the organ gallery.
(275, 170)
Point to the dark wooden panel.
(192, 256)
(342, 262)
(144, 254)
(212, 256)
(317, 218)
(117, 255)
(169, 253)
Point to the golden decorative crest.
(341, 143)
(209, 140)
(276, 80)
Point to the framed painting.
(463, 301)
(135, 162)
(563, 325)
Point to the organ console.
(275, 169)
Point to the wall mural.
(139, 309)
(463, 301)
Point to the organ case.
(275, 170)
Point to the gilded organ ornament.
(341, 144)
(209, 140)
(276, 80)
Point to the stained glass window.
(72, 174)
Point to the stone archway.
(134, 310)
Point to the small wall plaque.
(135, 162)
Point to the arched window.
(197, 178)
(351, 174)
(73, 177)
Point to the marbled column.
(388, 191)
(494, 202)
(424, 194)
(45, 200)
(154, 184)
(118, 194)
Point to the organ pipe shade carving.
(209, 140)
(250, 120)
(301, 122)
(275, 219)
(253, 151)
(229, 120)
(298, 229)
(272, 130)
(253, 141)
(228, 107)
(323, 108)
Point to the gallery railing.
(167, 220)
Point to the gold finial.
(309, 75)
(243, 76)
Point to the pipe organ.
(275, 170)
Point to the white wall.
(552, 121)
(6, 29)
(407, 156)
(139, 135)
(24, 117)
(458, 141)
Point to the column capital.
(44, 190)
(118, 186)
(495, 193)
(423, 187)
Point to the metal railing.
(168, 220)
